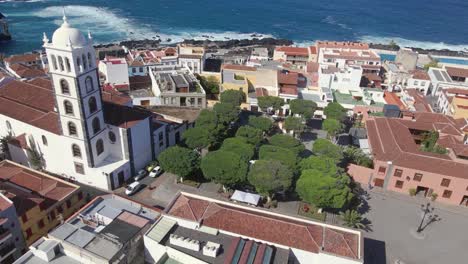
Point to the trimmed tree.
(294, 123)
(324, 190)
(207, 119)
(332, 126)
(251, 135)
(210, 83)
(224, 167)
(357, 156)
(198, 137)
(323, 147)
(226, 112)
(263, 123)
(303, 107)
(335, 111)
(320, 163)
(269, 177)
(239, 146)
(287, 142)
(285, 156)
(265, 102)
(233, 97)
(179, 161)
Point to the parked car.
(133, 188)
(151, 165)
(140, 175)
(156, 172)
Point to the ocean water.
(427, 24)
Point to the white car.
(132, 188)
(156, 172)
(140, 175)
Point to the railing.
(6, 250)
(4, 233)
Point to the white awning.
(244, 197)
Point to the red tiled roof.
(420, 75)
(312, 66)
(313, 49)
(139, 82)
(391, 140)
(26, 72)
(261, 92)
(293, 51)
(420, 102)
(456, 91)
(22, 58)
(348, 45)
(238, 67)
(116, 97)
(265, 226)
(392, 98)
(457, 72)
(46, 190)
(41, 82)
(288, 78)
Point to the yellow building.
(459, 107)
(41, 201)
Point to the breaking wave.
(414, 43)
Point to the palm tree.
(352, 219)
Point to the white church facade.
(76, 131)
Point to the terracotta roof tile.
(238, 67)
(22, 58)
(26, 72)
(293, 51)
(457, 72)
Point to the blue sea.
(427, 24)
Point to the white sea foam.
(414, 43)
(332, 21)
(115, 27)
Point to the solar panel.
(446, 76)
(267, 256)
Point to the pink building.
(401, 165)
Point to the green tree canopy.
(432, 64)
(303, 107)
(262, 123)
(285, 156)
(239, 146)
(269, 177)
(335, 111)
(224, 167)
(232, 97)
(324, 190)
(294, 123)
(207, 119)
(287, 142)
(180, 161)
(357, 156)
(210, 83)
(274, 102)
(332, 126)
(320, 163)
(252, 135)
(323, 147)
(198, 137)
(226, 112)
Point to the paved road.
(393, 216)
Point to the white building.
(191, 57)
(115, 71)
(420, 81)
(343, 80)
(440, 79)
(76, 130)
(352, 54)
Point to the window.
(99, 147)
(68, 204)
(44, 140)
(445, 182)
(96, 125)
(8, 125)
(76, 151)
(67, 64)
(28, 233)
(78, 64)
(64, 87)
(447, 194)
(161, 139)
(141, 69)
(89, 84)
(40, 224)
(92, 104)
(112, 137)
(60, 61)
(417, 177)
(382, 169)
(416, 82)
(54, 62)
(399, 184)
(51, 216)
(68, 107)
(80, 195)
(398, 173)
(78, 169)
(72, 129)
(24, 218)
(133, 70)
(59, 209)
(90, 60)
(423, 83)
(83, 58)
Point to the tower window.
(99, 147)
(92, 104)
(8, 125)
(72, 129)
(68, 107)
(76, 151)
(83, 57)
(60, 60)
(67, 64)
(112, 137)
(89, 84)
(54, 62)
(90, 60)
(96, 125)
(44, 140)
(78, 64)
(64, 87)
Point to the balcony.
(6, 251)
(5, 234)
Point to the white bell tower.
(72, 67)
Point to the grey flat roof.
(103, 247)
(120, 230)
(179, 80)
(59, 259)
(63, 231)
(80, 238)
